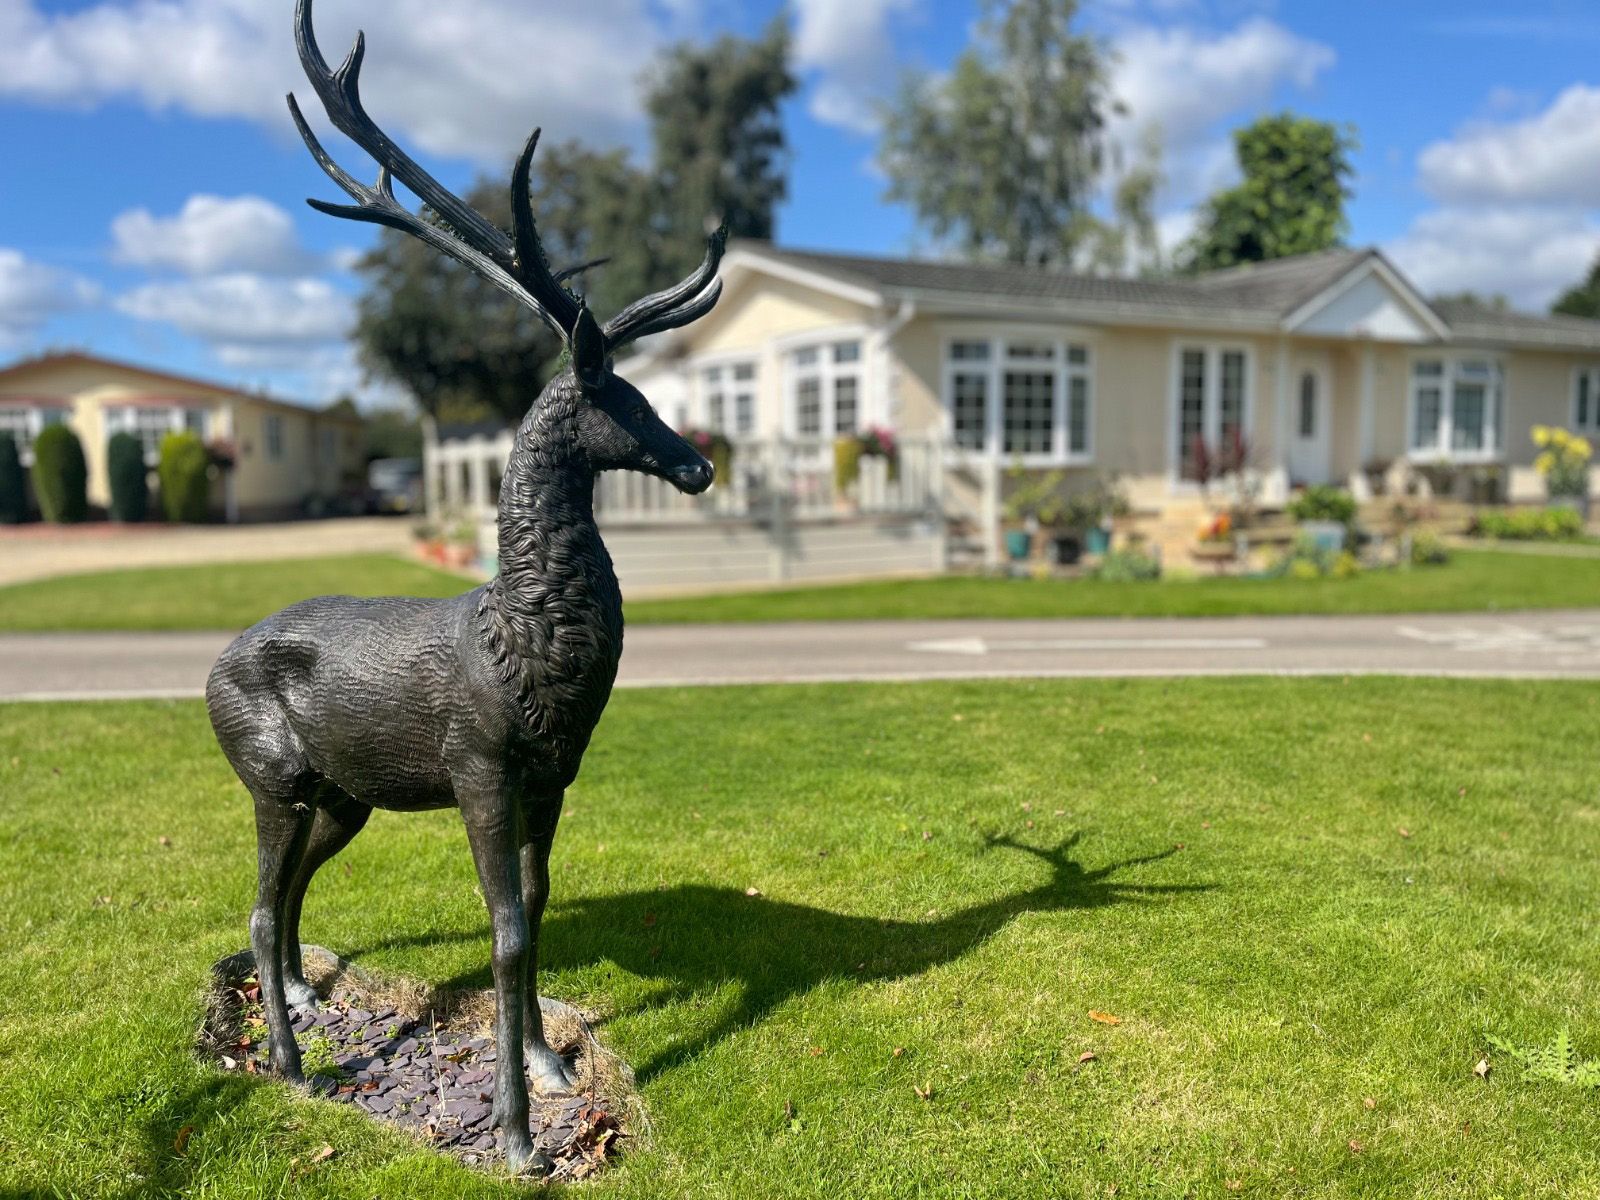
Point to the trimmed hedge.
(185, 490)
(1530, 524)
(60, 475)
(130, 495)
(13, 487)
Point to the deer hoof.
(297, 993)
(523, 1159)
(548, 1073)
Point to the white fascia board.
(746, 259)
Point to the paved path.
(1518, 645)
(40, 551)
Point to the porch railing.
(766, 479)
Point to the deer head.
(615, 426)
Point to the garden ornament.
(485, 702)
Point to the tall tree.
(1004, 156)
(1583, 299)
(468, 352)
(1291, 200)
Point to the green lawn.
(1305, 985)
(234, 595)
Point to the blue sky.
(153, 189)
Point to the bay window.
(1455, 408)
(1019, 398)
(825, 389)
(25, 422)
(1212, 402)
(728, 398)
(1586, 400)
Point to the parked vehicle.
(394, 485)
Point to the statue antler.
(516, 264)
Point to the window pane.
(1467, 419)
(1231, 419)
(15, 422)
(744, 412)
(1029, 412)
(969, 351)
(1077, 415)
(1474, 369)
(1428, 369)
(713, 374)
(969, 410)
(845, 406)
(744, 372)
(808, 406)
(846, 352)
(806, 357)
(194, 420)
(1308, 405)
(1030, 351)
(716, 412)
(1582, 417)
(1425, 435)
(1077, 355)
(1191, 407)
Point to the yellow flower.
(1545, 463)
(1541, 435)
(1581, 447)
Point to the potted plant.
(1564, 462)
(430, 541)
(877, 442)
(1036, 502)
(461, 544)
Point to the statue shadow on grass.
(696, 938)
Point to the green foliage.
(1002, 157)
(60, 475)
(1324, 502)
(13, 487)
(1127, 566)
(467, 351)
(1582, 299)
(130, 494)
(1494, 302)
(393, 433)
(1043, 497)
(1529, 524)
(1428, 549)
(185, 486)
(1557, 1062)
(1291, 200)
(318, 1056)
(1308, 560)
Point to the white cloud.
(1529, 255)
(468, 78)
(847, 43)
(211, 234)
(248, 319)
(1550, 157)
(1184, 80)
(31, 293)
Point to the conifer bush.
(185, 489)
(13, 489)
(130, 496)
(60, 475)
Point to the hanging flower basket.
(877, 442)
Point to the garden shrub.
(130, 495)
(1127, 566)
(1530, 524)
(1324, 503)
(185, 488)
(1307, 560)
(60, 475)
(1428, 550)
(13, 488)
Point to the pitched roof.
(1258, 293)
(57, 357)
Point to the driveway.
(40, 551)
(1553, 645)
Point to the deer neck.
(553, 615)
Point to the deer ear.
(588, 346)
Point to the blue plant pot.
(1097, 540)
(1019, 543)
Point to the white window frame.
(272, 436)
(1211, 401)
(36, 418)
(732, 389)
(1494, 418)
(993, 370)
(1590, 373)
(828, 372)
(173, 418)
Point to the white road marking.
(980, 646)
(1580, 643)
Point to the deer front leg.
(547, 1072)
(493, 830)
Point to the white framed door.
(1310, 421)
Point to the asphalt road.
(1516, 645)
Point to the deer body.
(484, 702)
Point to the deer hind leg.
(283, 827)
(339, 817)
(547, 1072)
(493, 831)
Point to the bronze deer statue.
(485, 702)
